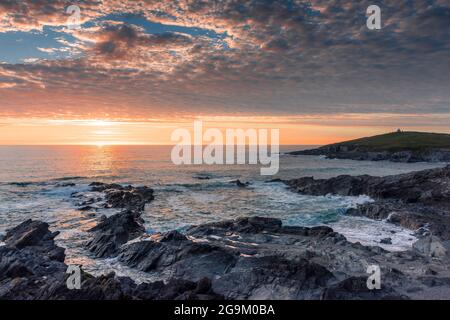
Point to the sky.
(134, 71)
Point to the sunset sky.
(137, 70)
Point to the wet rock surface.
(30, 270)
(247, 258)
(259, 258)
(413, 200)
(34, 235)
(127, 197)
(114, 231)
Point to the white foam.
(370, 232)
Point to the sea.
(37, 182)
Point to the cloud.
(27, 15)
(47, 50)
(275, 57)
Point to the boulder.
(126, 197)
(113, 232)
(34, 234)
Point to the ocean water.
(37, 182)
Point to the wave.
(203, 185)
(69, 178)
(24, 183)
(54, 181)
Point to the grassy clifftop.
(405, 146)
(398, 141)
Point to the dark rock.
(356, 288)
(113, 232)
(242, 184)
(66, 184)
(30, 271)
(395, 147)
(203, 286)
(202, 177)
(411, 200)
(273, 277)
(251, 224)
(100, 186)
(135, 198)
(258, 258)
(247, 258)
(86, 208)
(34, 234)
(126, 197)
(183, 259)
(172, 236)
(427, 186)
(175, 289)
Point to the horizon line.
(125, 145)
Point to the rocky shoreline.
(395, 146)
(417, 200)
(246, 258)
(364, 154)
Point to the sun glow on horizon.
(294, 130)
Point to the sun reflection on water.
(100, 159)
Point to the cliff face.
(397, 147)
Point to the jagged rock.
(250, 224)
(133, 199)
(176, 289)
(411, 200)
(120, 228)
(272, 277)
(34, 234)
(356, 288)
(100, 186)
(127, 197)
(172, 236)
(30, 261)
(30, 271)
(427, 186)
(181, 258)
(247, 258)
(259, 258)
(114, 231)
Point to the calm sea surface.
(37, 182)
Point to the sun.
(100, 123)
